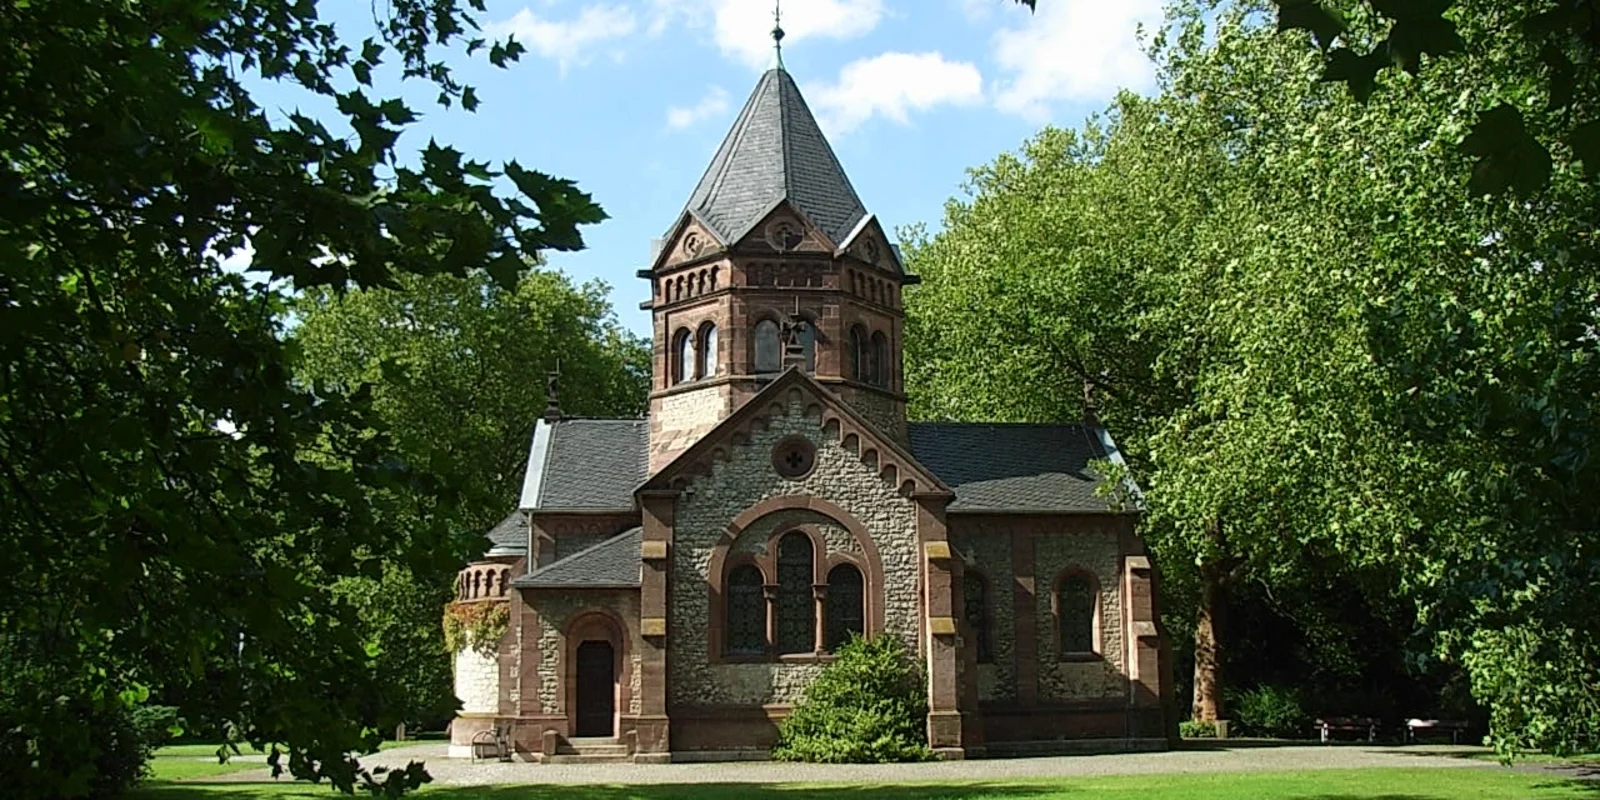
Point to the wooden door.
(597, 692)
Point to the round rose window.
(794, 457)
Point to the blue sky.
(632, 97)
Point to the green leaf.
(1509, 158)
(1411, 39)
(1324, 23)
(1358, 72)
(1585, 144)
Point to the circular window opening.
(794, 457)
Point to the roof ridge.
(585, 551)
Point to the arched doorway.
(596, 695)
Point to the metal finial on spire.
(777, 30)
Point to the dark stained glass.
(974, 588)
(1076, 605)
(769, 348)
(797, 609)
(846, 605)
(747, 612)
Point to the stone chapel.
(673, 583)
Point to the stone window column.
(770, 592)
(819, 592)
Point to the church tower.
(774, 263)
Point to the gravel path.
(1244, 757)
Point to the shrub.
(1191, 729)
(868, 706)
(1270, 711)
(59, 743)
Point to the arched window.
(858, 353)
(708, 351)
(1077, 607)
(683, 356)
(769, 348)
(880, 359)
(797, 606)
(846, 605)
(808, 342)
(975, 591)
(746, 620)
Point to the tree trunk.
(1207, 650)
(1207, 640)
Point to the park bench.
(495, 744)
(1416, 726)
(1328, 727)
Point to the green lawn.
(1370, 784)
(181, 762)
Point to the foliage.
(1314, 348)
(1363, 39)
(467, 350)
(478, 625)
(1194, 729)
(1274, 711)
(868, 706)
(477, 353)
(157, 725)
(178, 508)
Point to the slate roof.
(614, 563)
(510, 537)
(586, 464)
(594, 464)
(776, 151)
(1013, 467)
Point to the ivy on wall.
(475, 625)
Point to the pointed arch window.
(846, 605)
(707, 368)
(683, 361)
(797, 607)
(746, 613)
(1077, 615)
(880, 359)
(975, 605)
(769, 347)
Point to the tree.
(1308, 337)
(456, 370)
(1362, 39)
(178, 507)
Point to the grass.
(1364, 784)
(182, 762)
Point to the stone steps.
(599, 750)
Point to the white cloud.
(714, 104)
(572, 41)
(1072, 50)
(978, 10)
(738, 26)
(893, 85)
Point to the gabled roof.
(1016, 467)
(611, 564)
(775, 152)
(510, 537)
(586, 464)
(890, 453)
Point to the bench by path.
(1214, 758)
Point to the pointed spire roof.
(776, 152)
